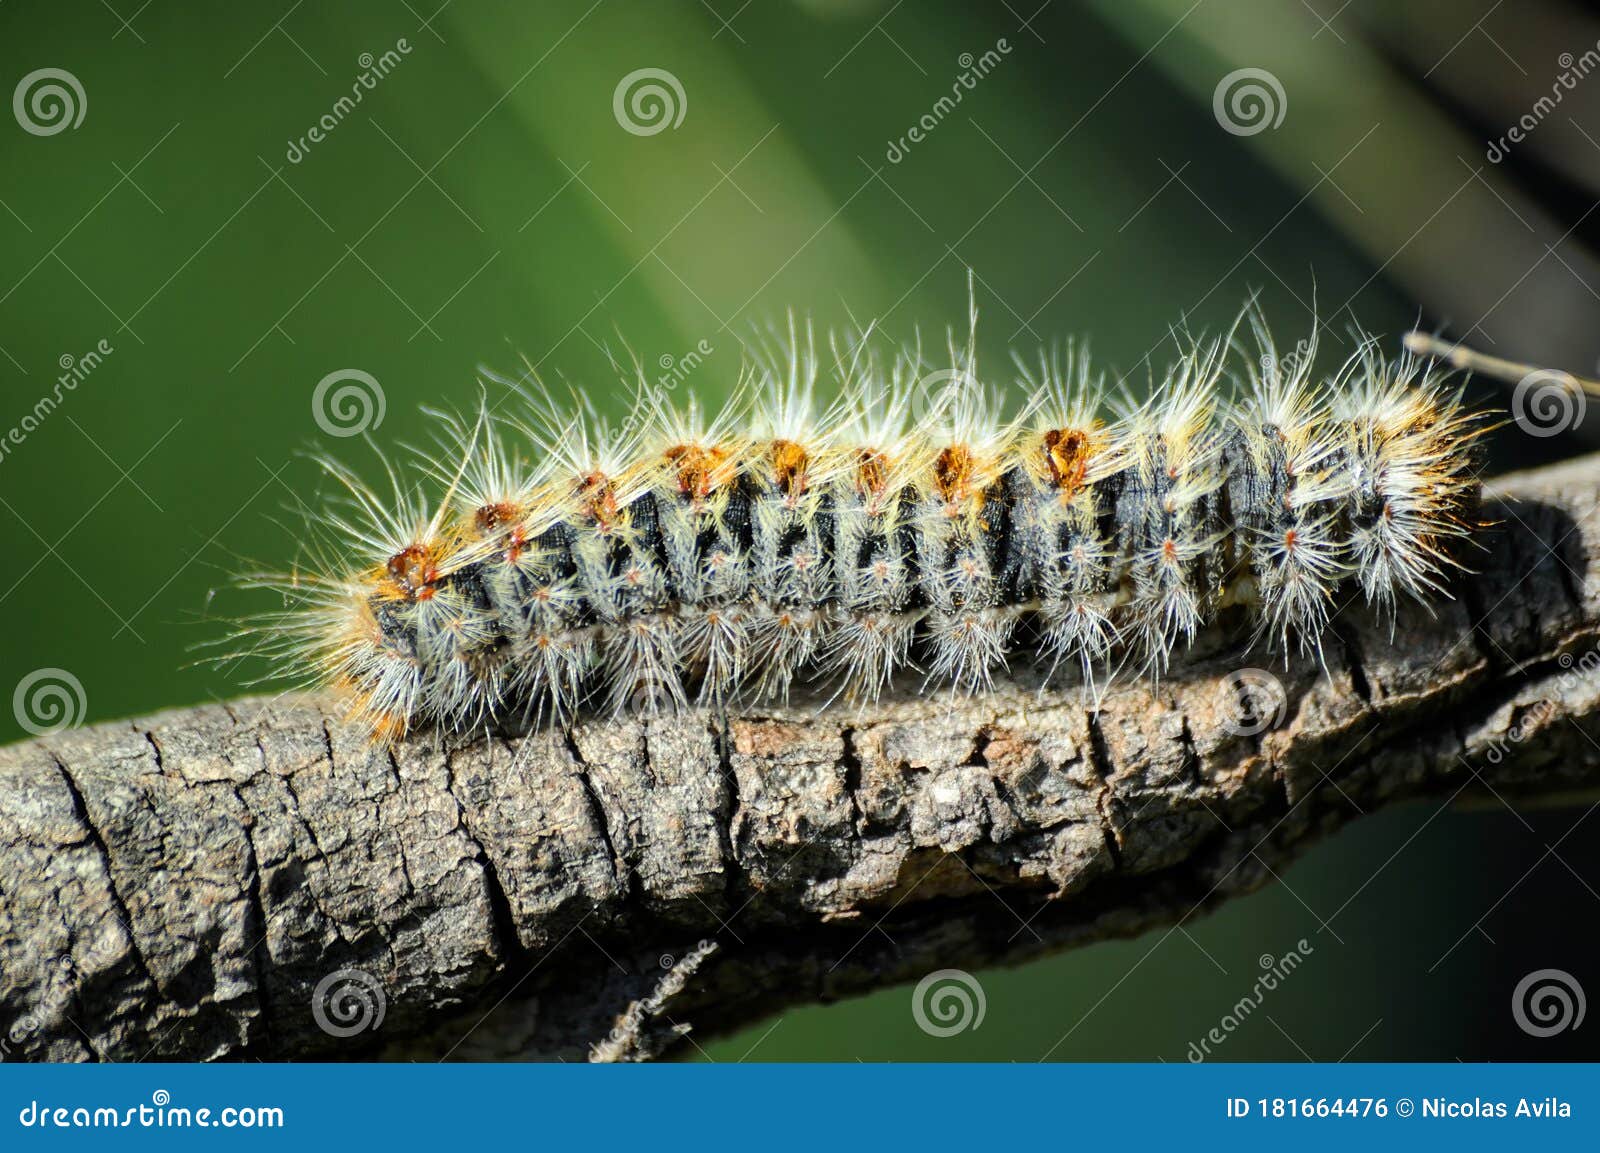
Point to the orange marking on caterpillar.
(1066, 453)
(952, 471)
(492, 517)
(597, 499)
(872, 474)
(414, 572)
(697, 469)
(789, 461)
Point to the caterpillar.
(910, 529)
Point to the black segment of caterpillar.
(901, 532)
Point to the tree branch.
(180, 886)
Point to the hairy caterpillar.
(906, 529)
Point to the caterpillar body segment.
(962, 528)
(701, 522)
(1410, 460)
(1065, 485)
(1168, 511)
(872, 493)
(1284, 491)
(791, 521)
(911, 528)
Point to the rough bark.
(180, 886)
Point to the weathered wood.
(179, 886)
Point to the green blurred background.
(483, 203)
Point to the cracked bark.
(178, 886)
